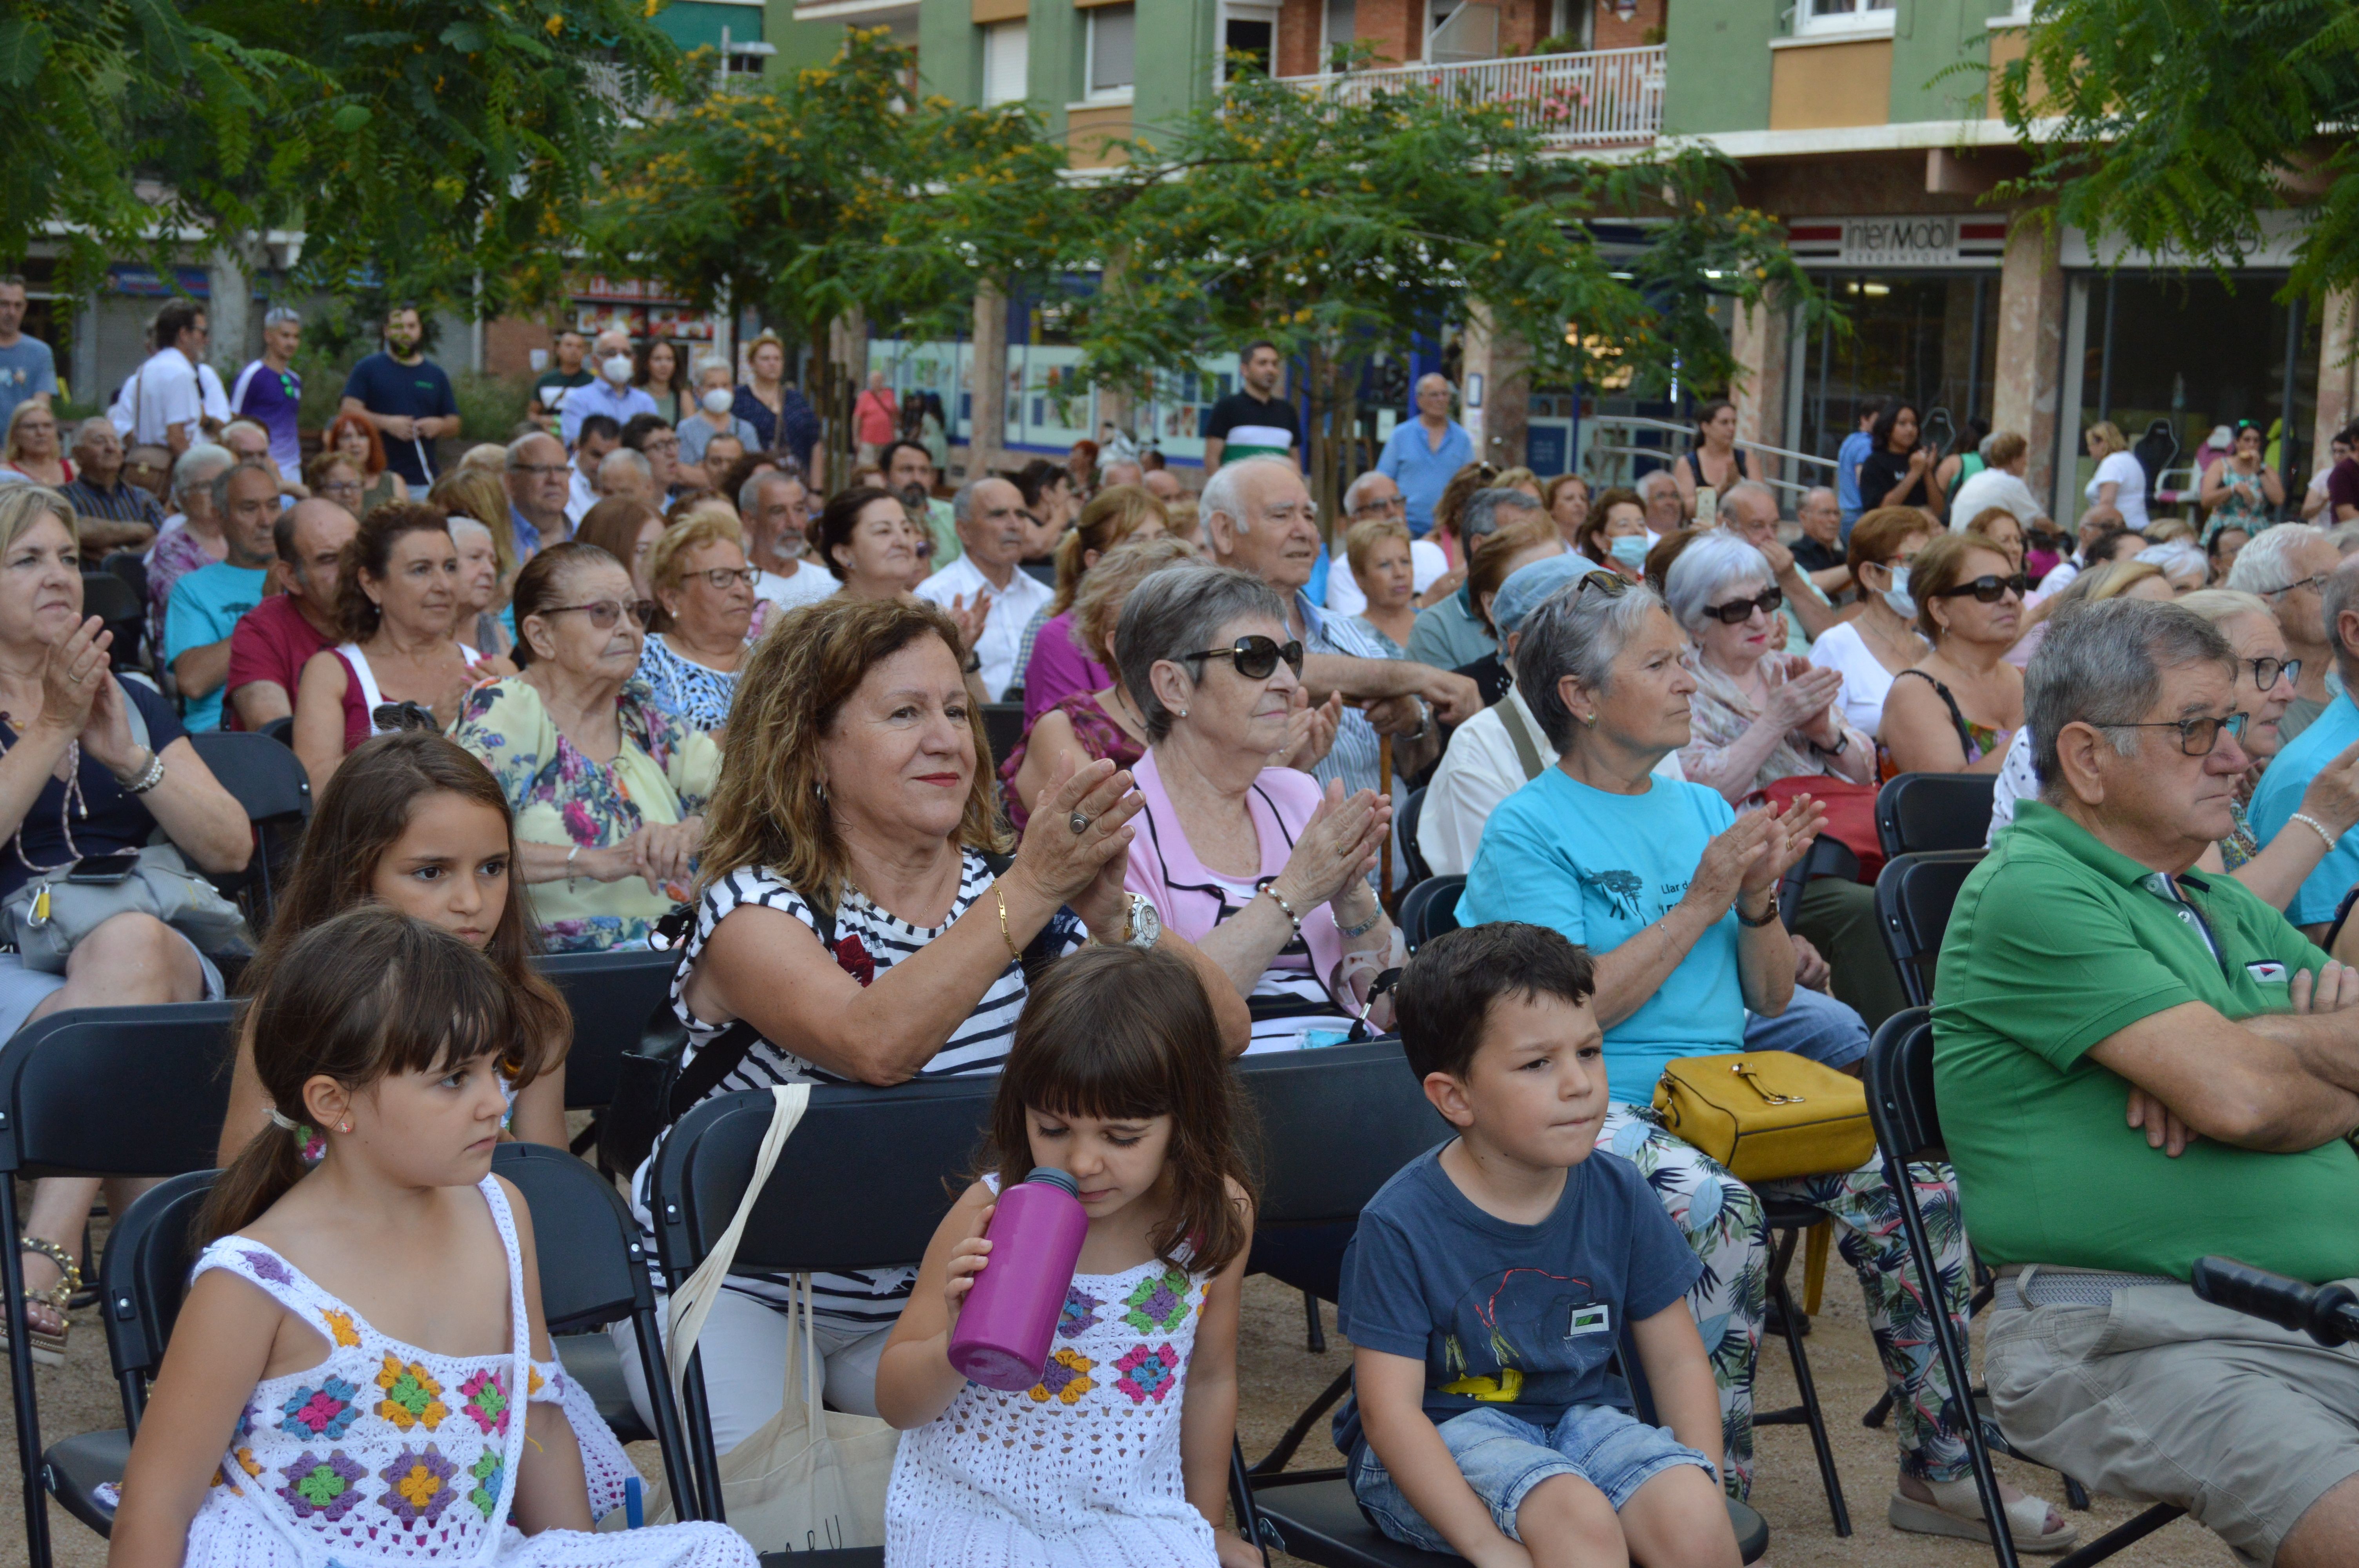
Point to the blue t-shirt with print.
(2279, 796)
(27, 370)
(204, 609)
(1600, 868)
(1516, 1318)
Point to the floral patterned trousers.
(1721, 1217)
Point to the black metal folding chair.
(1413, 867)
(1914, 895)
(611, 996)
(1428, 909)
(113, 600)
(1916, 813)
(1003, 724)
(270, 782)
(1907, 1122)
(124, 1091)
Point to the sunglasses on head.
(1988, 589)
(1737, 611)
(1256, 656)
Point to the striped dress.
(867, 942)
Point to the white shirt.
(1011, 608)
(580, 496)
(1427, 565)
(2122, 471)
(811, 582)
(2016, 781)
(1480, 770)
(164, 392)
(1989, 487)
(1866, 682)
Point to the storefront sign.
(1903, 240)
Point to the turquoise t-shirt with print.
(1602, 867)
(203, 610)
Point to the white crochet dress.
(1082, 1470)
(386, 1452)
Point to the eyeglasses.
(1988, 589)
(2317, 580)
(2268, 672)
(660, 446)
(342, 487)
(604, 615)
(722, 577)
(2196, 737)
(1737, 611)
(1397, 505)
(1256, 656)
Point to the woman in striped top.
(853, 909)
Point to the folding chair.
(1336, 1125)
(1907, 1122)
(1428, 909)
(1916, 813)
(111, 599)
(270, 782)
(1914, 895)
(124, 1091)
(611, 996)
(1827, 857)
(878, 1213)
(1413, 867)
(281, 730)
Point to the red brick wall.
(1612, 33)
(1523, 23)
(1297, 37)
(1395, 26)
(509, 342)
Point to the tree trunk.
(1327, 439)
(228, 276)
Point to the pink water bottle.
(1002, 1338)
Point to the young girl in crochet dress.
(1120, 1453)
(359, 1373)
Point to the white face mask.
(1898, 595)
(718, 400)
(615, 368)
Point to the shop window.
(1931, 338)
(1005, 52)
(1837, 16)
(1114, 31)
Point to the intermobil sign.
(1900, 240)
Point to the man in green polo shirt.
(2139, 1064)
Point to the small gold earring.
(1589, 720)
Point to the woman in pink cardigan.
(1253, 863)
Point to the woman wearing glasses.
(706, 591)
(607, 788)
(1955, 710)
(1246, 858)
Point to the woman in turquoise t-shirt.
(1676, 897)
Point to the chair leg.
(1811, 1416)
(1318, 1327)
(20, 1376)
(1256, 1529)
(1276, 1459)
(669, 1441)
(698, 1414)
(2122, 1535)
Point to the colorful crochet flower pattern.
(417, 1485)
(490, 1474)
(326, 1411)
(412, 1397)
(1147, 1374)
(1065, 1379)
(1157, 1305)
(487, 1402)
(323, 1487)
(341, 1327)
(1080, 1312)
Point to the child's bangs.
(442, 1016)
(1121, 1074)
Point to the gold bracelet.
(1014, 956)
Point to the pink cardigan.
(1165, 871)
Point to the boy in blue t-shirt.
(1490, 1280)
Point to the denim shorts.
(1504, 1458)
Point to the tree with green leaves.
(1341, 225)
(2172, 125)
(834, 195)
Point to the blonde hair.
(477, 494)
(768, 808)
(1113, 516)
(1509, 478)
(2109, 436)
(2168, 530)
(8, 451)
(1359, 541)
(710, 526)
(22, 505)
(1099, 604)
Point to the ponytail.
(271, 1164)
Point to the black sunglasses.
(1988, 589)
(1256, 656)
(2196, 737)
(1737, 611)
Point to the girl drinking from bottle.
(1120, 1452)
(359, 1373)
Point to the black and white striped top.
(866, 938)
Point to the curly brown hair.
(768, 808)
(370, 550)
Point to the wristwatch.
(1748, 921)
(1141, 925)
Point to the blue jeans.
(1504, 1458)
(1814, 1024)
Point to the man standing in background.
(406, 397)
(29, 372)
(1253, 420)
(549, 393)
(1848, 459)
(270, 393)
(1420, 456)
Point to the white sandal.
(1957, 1511)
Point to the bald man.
(295, 619)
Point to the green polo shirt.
(2056, 943)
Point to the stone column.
(2338, 373)
(1504, 362)
(1760, 344)
(2030, 352)
(987, 382)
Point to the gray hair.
(1717, 561)
(221, 481)
(2340, 594)
(627, 458)
(1578, 635)
(1750, 489)
(2265, 563)
(91, 426)
(1179, 612)
(962, 502)
(2102, 664)
(1648, 485)
(1481, 514)
(515, 448)
(282, 316)
(1225, 492)
(1360, 487)
(749, 494)
(460, 524)
(1816, 490)
(198, 465)
(243, 425)
(704, 364)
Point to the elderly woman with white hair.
(2182, 562)
(715, 387)
(193, 538)
(1676, 897)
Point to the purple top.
(1058, 669)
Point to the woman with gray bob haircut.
(1237, 847)
(1675, 896)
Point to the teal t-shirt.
(1600, 868)
(204, 609)
(2279, 796)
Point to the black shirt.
(1247, 425)
(1813, 556)
(1880, 472)
(118, 820)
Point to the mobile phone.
(104, 869)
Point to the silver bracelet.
(147, 778)
(1425, 724)
(568, 866)
(1362, 929)
(2315, 826)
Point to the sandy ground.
(1278, 1376)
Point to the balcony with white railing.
(1599, 98)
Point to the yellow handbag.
(1766, 1114)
